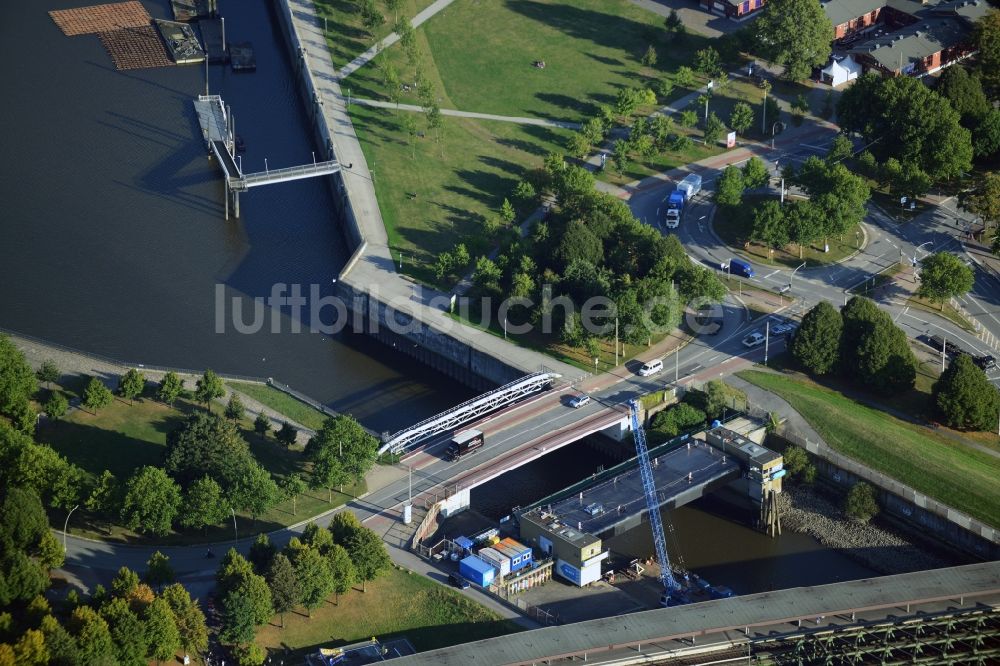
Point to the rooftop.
(902, 50)
(842, 11)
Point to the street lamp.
(66, 525)
(793, 275)
(774, 129)
(236, 536)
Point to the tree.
(23, 579)
(287, 435)
(368, 554)
(986, 135)
(62, 646)
(262, 425)
(151, 501)
(127, 632)
(158, 570)
(769, 225)
(161, 631)
(208, 388)
(96, 395)
(49, 552)
(816, 344)
(313, 574)
(131, 385)
(942, 276)
(901, 117)
(697, 282)
(524, 192)
(343, 525)
(677, 419)
(986, 37)
(244, 607)
(795, 34)
(861, 504)
(262, 552)
(124, 582)
(718, 397)
(22, 519)
(797, 462)
(56, 406)
(884, 360)
(317, 538)
(30, 649)
(371, 17)
(964, 396)
(93, 637)
(170, 388)
(292, 487)
(235, 411)
(284, 586)
(985, 200)
(649, 58)
(48, 372)
(688, 118)
(409, 126)
(204, 504)
(620, 156)
(206, 444)
(840, 149)
(626, 102)
(341, 569)
(393, 6)
(188, 617)
(713, 129)
(233, 569)
(684, 77)
(708, 62)
(755, 174)
(17, 381)
(255, 491)
(729, 189)
(965, 92)
(741, 118)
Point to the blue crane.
(670, 586)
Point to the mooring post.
(227, 200)
(236, 203)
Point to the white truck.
(679, 198)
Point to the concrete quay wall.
(393, 309)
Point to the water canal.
(113, 236)
(112, 240)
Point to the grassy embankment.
(397, 604)
(435, 189)
(939, 465)
(123, 437)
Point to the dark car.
(458, 581)
(986, 362)
(939, 343)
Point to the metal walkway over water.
(468, 411)
(217, 127)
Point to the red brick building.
(736, 10)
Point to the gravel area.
(805, 511)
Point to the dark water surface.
(112, 236)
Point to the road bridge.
(217, 127)
(943, 616)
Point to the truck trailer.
(682, 194)
(465, 443)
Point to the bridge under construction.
(218, 130)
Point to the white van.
(651, 368)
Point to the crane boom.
(652, 504)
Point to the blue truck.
(686, 189)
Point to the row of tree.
(305, 573)
(129, 625)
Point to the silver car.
(578, 401)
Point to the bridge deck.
(619, 500)
(226, 160)
(211, 117)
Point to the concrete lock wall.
(475, 368)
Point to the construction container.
(477, 571)
(494, 557)
(465, 543)
(522, 554)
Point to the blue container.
(477, 571)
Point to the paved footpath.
(521, 120)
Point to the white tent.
(840, 71)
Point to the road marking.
(768, 276)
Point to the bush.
(798, 465)
(677, 419)
(861, 504)
(964, 397)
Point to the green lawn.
(124, 437)
(641, 167)
(282, 403)
(435, 193)
(733, 225)
(955, 474)
(346, 36)
(398, 604)
(477, 56)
